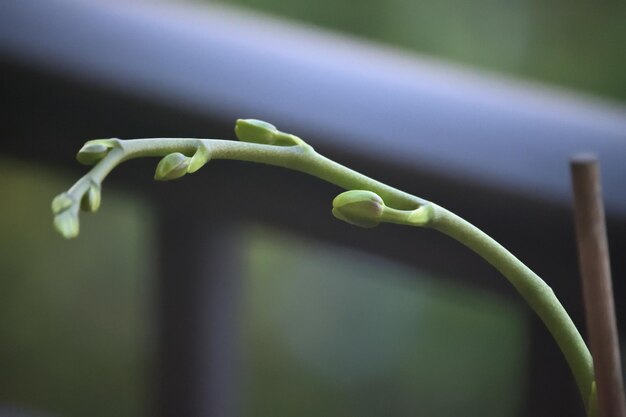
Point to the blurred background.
(234, 292)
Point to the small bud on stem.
(255, 131)
(66, 223)
(258, 131)
(172, 166)
(94, 150)
(65, 212)
(359, 207)
(91, 199)
(367, 209)
(61, 202)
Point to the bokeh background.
(320, 329)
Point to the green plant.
(366, 203)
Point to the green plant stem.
(302, 157)
(533, 289)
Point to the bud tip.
(255, 131)
(172, 166)
(92, 198)
(359, 207)
(66, 223)
(91, 153)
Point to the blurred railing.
(491, 149)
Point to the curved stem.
(302, 157)
(98, 173)
(533, 289)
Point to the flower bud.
(91, 199)
(255, 131)
(172, 166)
(91, 153)
(61, 202)
(359, 207)
(66, 223)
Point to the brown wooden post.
(593, 254)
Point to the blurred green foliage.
(578, 44)
(75, 323)
(326, 331)
(330, 332)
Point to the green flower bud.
(256, 131)
(91, 199)
(172, 166)
(201, 157)
(66, 217)
(91, 153)
(359, 207)
(61, 202)
(66, 223)
(94, 150)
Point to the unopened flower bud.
(91, 199)
(256, 131)
(66, 223)
(359, 207)
(61, 202)
(91, 153)
(172, 166)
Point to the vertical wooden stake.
(593, 254)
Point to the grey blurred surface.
(367, 100)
